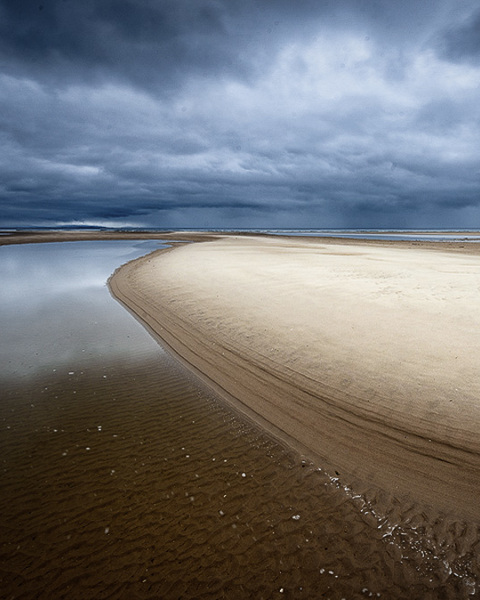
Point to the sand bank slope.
(365, 356)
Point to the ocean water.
(379, 234)
(123, 476)
(432, 235)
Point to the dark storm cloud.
(462, 41)
(149, 43)
(234, 112)
(153, 43)
(146, 43)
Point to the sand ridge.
(365, 356)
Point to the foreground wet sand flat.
(133, 481)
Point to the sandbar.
(363, 356)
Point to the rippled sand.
(131, 481)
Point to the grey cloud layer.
(245, 113)
(461, 41)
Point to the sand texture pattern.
(131, 481)
(365, 357)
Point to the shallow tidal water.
(123, 476)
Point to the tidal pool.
(56, 310)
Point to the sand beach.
(332, 453)
(364, 356)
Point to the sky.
(240, 113)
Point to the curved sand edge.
(366, 356)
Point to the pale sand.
(365, 356)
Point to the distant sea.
(432, 235)
(384, 234)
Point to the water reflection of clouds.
(55, 308)
(55, 267)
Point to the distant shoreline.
(465, 241)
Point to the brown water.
(124, 477)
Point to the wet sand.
(40, 237)
(134, 481)
(365, 357)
